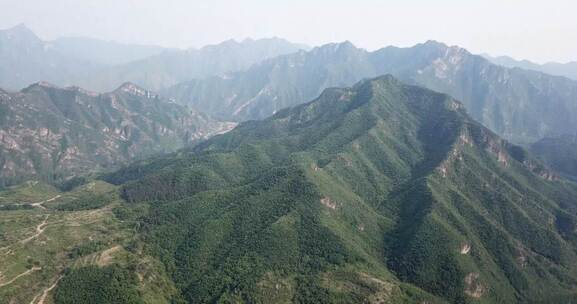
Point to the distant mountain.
(560, 153)
(25, 59)
(568, 70)
(379, 193)
(103, 66)
(105, 53)
(520, 105)
(170, 67)
(52, 133)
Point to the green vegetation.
(42, 244)
(380, 191)
(560, 153)
(94, 285)
(86, 248)
(87, 202)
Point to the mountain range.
(53, 134)
(568, 69)
(424, 174)
(103, 65)
(171, 67)
(379, 193)
(25, 59)
(521, 105)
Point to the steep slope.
(173, 66)
(53, 133)
(102, 52)
(560, 153)
(25, 59)
(568, 69)
(379, 193)
(522, 106)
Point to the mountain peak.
(337, 47)
(435, 43)
(345, 45)
(133, 89)
(40, 84)
(386, 79)
(19, 28)
(20, 31)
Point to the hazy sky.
(529, 29)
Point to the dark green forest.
(368, 192)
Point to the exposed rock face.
(53, 133)
(465, 248)
(473, 286)
(327, 202)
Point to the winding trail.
(27, 272)
(39, 230)
(40, 204)
(42, 297)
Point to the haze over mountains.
(568, 69)
(264, 171)
(103, 66)
(520, 105)
(25, 59)
(101, 52)
(171, 67)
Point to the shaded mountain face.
(105, 53)
(522, 106)
(383, 192)
(51, 133)
(170, 67)
(568, 69)
(25, 59)
(560, 153)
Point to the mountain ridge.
(505, 100)
(568, 69)
(389, 181)
(52, 133)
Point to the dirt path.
(39, 230)
(40, 204)
(42, 297)
(27, 272)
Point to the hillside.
(53, 133)
(58, 246)
(560, 153)
(520, 105)
(379, 193)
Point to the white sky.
(525, 29)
